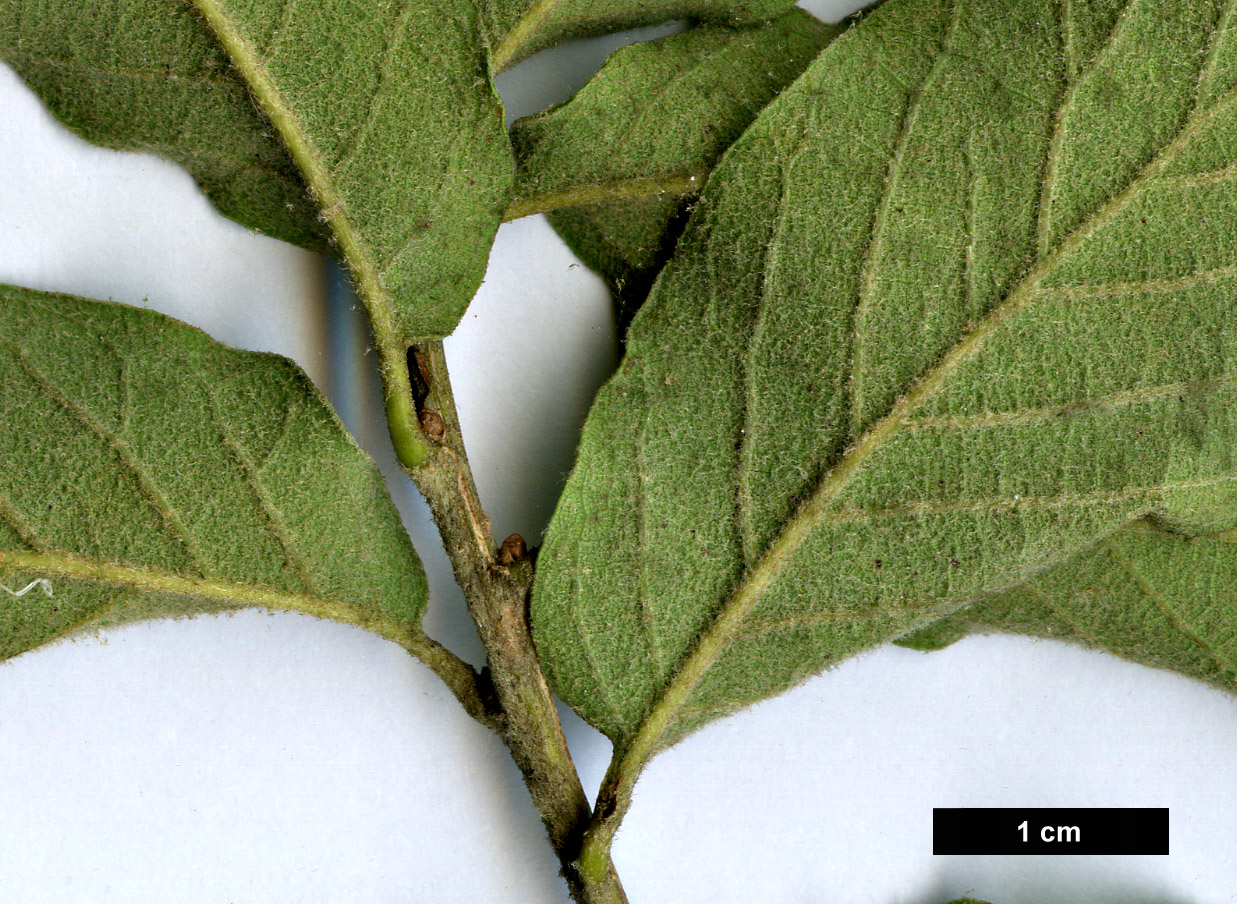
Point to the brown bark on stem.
(497, 595)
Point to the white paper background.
(275, 758)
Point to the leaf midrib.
(683, 183)
(513, 41)
(401, 417)
(334, 208)
(152, 580)
(728, 622)
(674, 185)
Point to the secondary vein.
(123, 453)
(873, 250)
(675, 184)
(1173, 617)
(636, 749)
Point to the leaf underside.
(147, 75)
(149, 471)
(958, 305)
(391, 124)
(1146, 594)
(654, 119)
(518, 28)
(389, 112)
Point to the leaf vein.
(283, 17)
(1173, 617)
(1197, 180)
(1032, 587)
(513, 41)
(585, 193)
(757, 580)
(10, 516)
(586, 639)
(968, 260)
(417, 230)
(746, 400)
(152, 580)
(118, 447)
(1065, 12)
(992, 504)
(836, 616)
(1209, 58)
(1043, 218)
(270, 511)
(1034, 416)
(216, 80)
(737, 606)
(1148, 287)
(646, 613)
(365, 124)
(873, 250)
(645, 107)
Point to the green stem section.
(497, 597)
(599, 193)
(455, 673)
(409, 444)
(406, 436)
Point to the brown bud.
(432, 425)
(418, 376)
(513, 549)
(422, 364)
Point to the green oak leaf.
(385, 112)
(518, 28)
(147, 75)
(957, 305)
(150, 471)
(389, 113)
(625, 155)
(1147, 594)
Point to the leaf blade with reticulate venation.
(389, 113)
(1146, 594)
(147, 75)
(625, 155)
(150, 471)
(885, 374)
(518, 28)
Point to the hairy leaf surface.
(956, 306)
(518, 28)
(147, 75)
(1146, 594)
(149, 471)
(385, 112)
(637, 142)
(389, 112)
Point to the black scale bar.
(991, 830)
